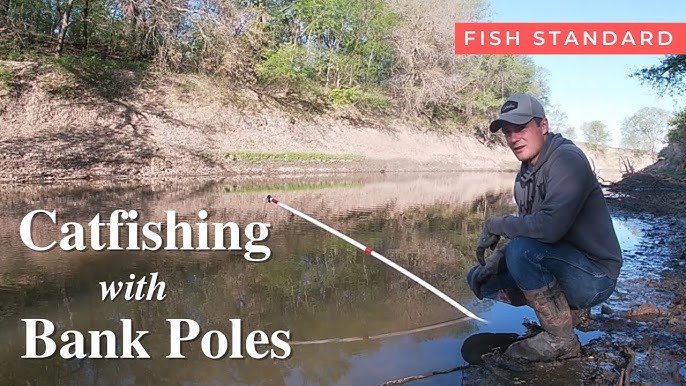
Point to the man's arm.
(567, 187)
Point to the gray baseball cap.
(518, 109)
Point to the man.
(563, 252)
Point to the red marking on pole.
(275, 201)
(368, 251)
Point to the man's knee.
(523, 257)
(519, 249)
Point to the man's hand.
(480, 274)
(489, 238)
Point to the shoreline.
(642, 326)
(253, 170)
(163, 129)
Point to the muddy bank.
(642, 327)
(61, 125)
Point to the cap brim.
(517, 119)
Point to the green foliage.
(5, 76)
(374, 99)
(291, 157)
(19, 55)
(345, 96)
(97, 63)
(596, 134)
(489, 80)
(669, 74)
(291, 187)
(361, 52)
(677, 133)
(557, 118)
(645, 129)
(336, 43)
(569, 132)
(287, 64)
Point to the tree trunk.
(63, 28)
(86, 36)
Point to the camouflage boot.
(557, 340)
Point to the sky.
(596, 87)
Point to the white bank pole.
(369, 251)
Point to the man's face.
(526, 141)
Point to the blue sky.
(596, 87)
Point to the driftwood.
(625, 375)
(628, 167)
(401, 381)
(381, 336)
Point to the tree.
(645, 129)
(569, 132)
(557, 118)
(64, 24)
(677, 133)
(668, 74)
(343, 44)
(397, 53)
(596, 134)
(426, 73)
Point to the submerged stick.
(379, 336)
(388, 262)
(400, 381)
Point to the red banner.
(570, 38)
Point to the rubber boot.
(557, 340)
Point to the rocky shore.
(642, 327)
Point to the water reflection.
(315, 285)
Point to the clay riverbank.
(57, 126)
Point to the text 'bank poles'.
(369, 251)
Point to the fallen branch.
(381, 336)
(620, 382)
(401, 381)
(625, 375)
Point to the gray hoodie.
(560, 199)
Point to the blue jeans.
(534, 265)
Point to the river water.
(352, 320)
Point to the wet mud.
(642, 327)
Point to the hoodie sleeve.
(568, 186)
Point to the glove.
(480, 274)
(490, 235)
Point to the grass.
(19, 55)
(290, 157)
(67, 62)
(97, 63)
(290, 187)
(6, 79)
(6, 76)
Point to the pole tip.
(269, 198)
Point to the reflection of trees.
(316, 285)
(325, 274)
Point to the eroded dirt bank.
(60, 124)
(642, 327)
